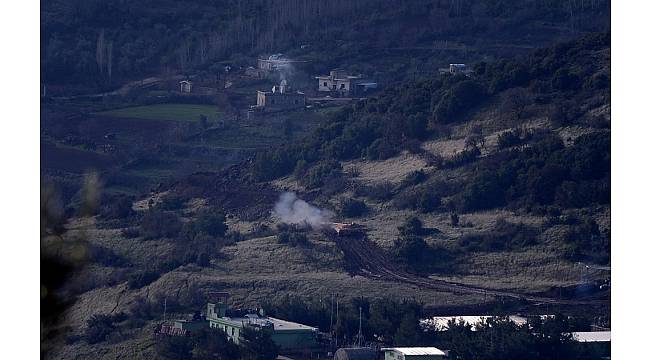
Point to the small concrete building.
(597, 343)
(278, 62)
(456, 69)
(414, 353)
(339, 82)
(186, 86)
(280, 98)
(287, 335)
(357, 354)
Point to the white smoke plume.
(292, 210)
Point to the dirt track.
(370, 260)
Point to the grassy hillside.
(498, 183)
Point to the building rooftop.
(254, 319)
(280, 324)
(592, 336)
(410, 351)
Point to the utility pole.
(165, 310)
(360, 335)
(336, 339)
(331, 320)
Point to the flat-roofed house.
(414, 353)
(280, 97)
(287, 335)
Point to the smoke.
(292, 210)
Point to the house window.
(325, 83)
(342, 86)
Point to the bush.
(317, 174)
(292, 238)
(118, 207)
(130, 232)
(381, 191)
(412, 226)
(353, 208)
(504, 236)
(99, 327)
(106, 257)
(414, 178)
(172, 202)
(141, 279)
(412, 249)
(462, 158)
(382, 149)
(457, 100)
(509, 138)
(211, 223)
(157, 224)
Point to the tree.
(409, 332)
(353, 208)
(412, 226)
(257, 344)
(211, 223)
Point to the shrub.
(118, 207)
(156, 224)
(410, 248)
(453, 219)
(203, 259)
(211, 223)
(464, 157)
(292, 238)
(130, 232)
(172, 202)
(414, 178)
(504, 236)
(509, 138)
(457, 100)
(99, 327)
(412, 226)
(381, 191)
(141, 279)
(381, 149)
(106, 257)
(317, 174)
(353, 208)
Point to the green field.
(174, 112)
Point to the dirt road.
(372, 261)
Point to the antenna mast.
(360, 335)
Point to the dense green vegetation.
(100, 43)
(396, 323)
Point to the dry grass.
(392, 170)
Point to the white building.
(413, 353)
(186, 86)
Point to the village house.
(281, 97)
(277, 62)
(456, 69)
(186, 86)
(339, 82)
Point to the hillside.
(99, 44)
(492, 189)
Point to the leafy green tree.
(412, 226)
(257, 344)
(409, 332)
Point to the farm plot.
(173, 112)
